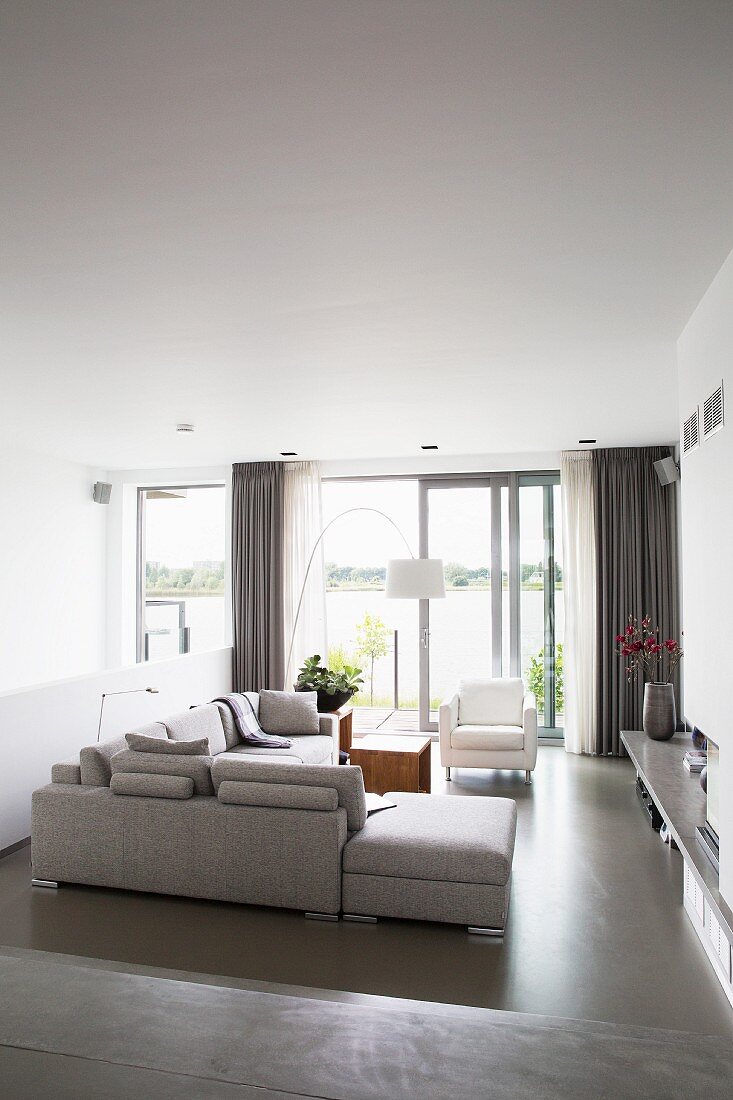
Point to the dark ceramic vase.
(660, 716)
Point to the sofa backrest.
(94, 760)
(231, 733)
(490, 702)
(347, 782)
(204, 721)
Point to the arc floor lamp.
(407, 578)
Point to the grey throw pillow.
(141, 743)
(289, 712)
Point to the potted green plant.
(334, 688)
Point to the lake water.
(460, 639)
(460, 636)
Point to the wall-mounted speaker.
(102, 492)
(667, 471)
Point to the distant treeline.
(456, 575)
(162, 579)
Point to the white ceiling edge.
(437, 463)
(171, 475)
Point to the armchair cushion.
(487, 737)
(490, 702)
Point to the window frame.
(513, 480)
(140, 553)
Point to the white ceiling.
(349, 227)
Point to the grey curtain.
(636, 559)
(257, 576)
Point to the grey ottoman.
(434, 857)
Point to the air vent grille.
(691, 433)
(712, 412)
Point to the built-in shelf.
(681, 802)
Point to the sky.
(179, 532)
(459, 523)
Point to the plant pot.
(660, 715)
(328, 703)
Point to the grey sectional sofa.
(285, 828)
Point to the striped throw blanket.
(248, 724)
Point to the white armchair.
(489, 724)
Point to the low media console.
(679, 802)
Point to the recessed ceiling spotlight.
(587, 441)
(289, 454)
(428, 446)
(184, 427)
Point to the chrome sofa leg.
(447, 775)
(359, 919)
(527, 778)
(47, 882)
(474, 930)
(321, 916)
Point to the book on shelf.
(695, 760)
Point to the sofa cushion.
(142, 785)
(349, 782)
(197, 768)
(490, 702)
(285, 796)
(437, 838)
(487, 737)
(141, 743)
(289, 712)
(94, 759)
(196, 723)
(303, 750)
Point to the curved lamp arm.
(130, 691)
(310, 562)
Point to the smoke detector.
(184, 427)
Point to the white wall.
(52, 561)
(433, 462)
(705, 355)
(122, 544)
(42, 725)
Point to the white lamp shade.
(415, 579)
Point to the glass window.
(364, 628)
(181, 573)
(542, 618)
(499, 538)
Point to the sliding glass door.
(503, 615)
(461, 522)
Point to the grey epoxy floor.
(596, 927)
(71, 1028)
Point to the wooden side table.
(345, 716)
(393, 763)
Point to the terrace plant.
(313, 676)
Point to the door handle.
(425, 637)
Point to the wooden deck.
(386, 720)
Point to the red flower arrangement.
(645, 654)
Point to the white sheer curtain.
(579, 584)
(302, 524)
